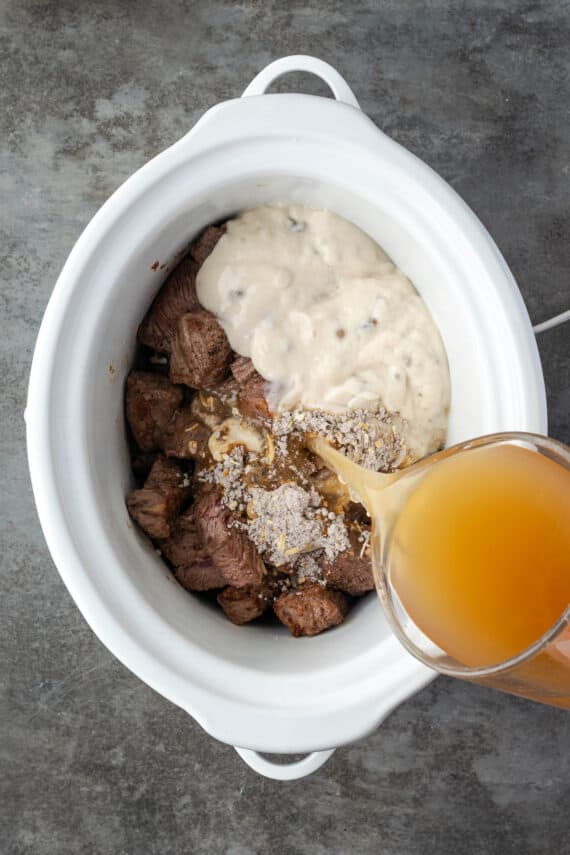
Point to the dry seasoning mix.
(291, 525)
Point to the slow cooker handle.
(338, 85)
(284, 771)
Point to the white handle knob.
(338, 85)
(284, 771)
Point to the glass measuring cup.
(540, 670)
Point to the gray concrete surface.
(93, 761)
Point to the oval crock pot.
(254, 687)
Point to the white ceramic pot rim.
(233, 703)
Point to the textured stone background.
(93, 761)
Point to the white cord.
(553, 322)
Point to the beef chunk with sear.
(251, 400)
(242, 605)
(201, 353)
(184, 545)
(178, 294)
(349, 571)
(231, 550)
(151, 401)
(310, 609)
(193, 567)
(185, 436)
(242, 369)
(155, 507)
(205, 243)
(203, 575)
(176, 297)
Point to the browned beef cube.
(184, 546)
(194, 568)
(156, 506)
(242, 368)
(176, 297)
(231, 550)
(349, 572)
(310, 609)
(242, 606)
(251, 399)
(153, 510)
(201, 353)
(205, 243)
(186, 436)
(167, 474)
(201, 576)
(151, 401)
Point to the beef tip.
(231, 550)
(155, 507)
(166, 474)
(185, 436)
(200, 576)
(349, 572)
(184, 546)
(201, 353)
(152, 510)
(251, 399)
(242, 606)
(205, 243)
(242, 368)
(176, 297)
(193, 567)
(310, 609)
(151, 401)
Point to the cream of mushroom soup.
(328, 319)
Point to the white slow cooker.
(254, 687)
